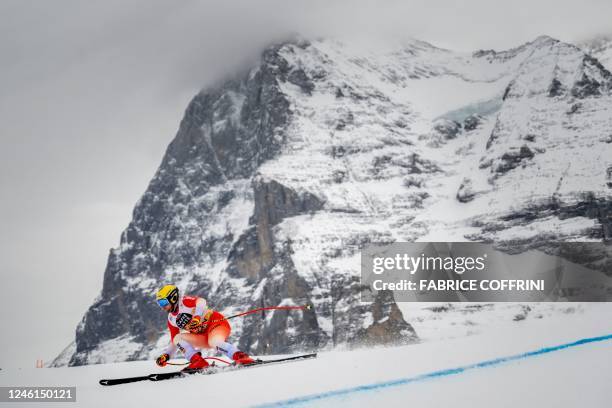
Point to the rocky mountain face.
(600, 48)
(278, 177)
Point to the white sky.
(91, 93)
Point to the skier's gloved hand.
(162, 360)
(195, 324)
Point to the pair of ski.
(208, 370)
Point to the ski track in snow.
(435, 374)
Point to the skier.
(190, 330)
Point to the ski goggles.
(163, 302)
(172, 298)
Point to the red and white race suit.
(211, 333)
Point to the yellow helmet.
(168, 295)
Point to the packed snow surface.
(575, 376)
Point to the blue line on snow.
(434, 374)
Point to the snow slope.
(575, 376)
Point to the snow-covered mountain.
(600, 48)
(277, 177)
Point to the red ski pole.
(205, 358)
(248, 312)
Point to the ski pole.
(205, 358)
(307, 307)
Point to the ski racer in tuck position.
(194, 326)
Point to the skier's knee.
(217, 336)
(214, 341)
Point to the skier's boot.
(197, 362)
(242, 358)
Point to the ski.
(126, 380)
(204, 371)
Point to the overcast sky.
(91, 93)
